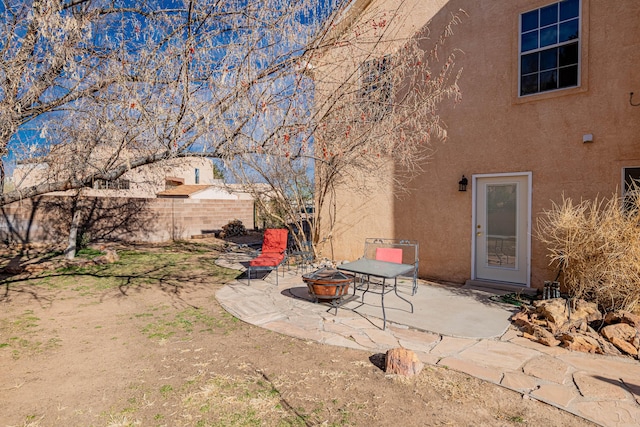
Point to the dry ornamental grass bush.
(597, 246)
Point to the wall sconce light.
(462, 184)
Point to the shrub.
(597, 246)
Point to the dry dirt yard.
(143, 342)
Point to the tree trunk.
(70, 251)
(3, 152)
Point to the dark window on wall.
(631, 186)
(197, 176)
(550, 48)
(118, 184)
(375, 87)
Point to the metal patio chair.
(273, 252)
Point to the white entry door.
(502, 228)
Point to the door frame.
(474, 197)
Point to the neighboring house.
(176, 199)
(143, 182)
(546, 112)
(187, 191)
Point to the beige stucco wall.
(494, 131)
(351, 214)
(356, 214)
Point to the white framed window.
(550, 48)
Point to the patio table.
(383, 270)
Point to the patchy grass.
(239, 401)
(167, 324)
(89, 253)
(164, 268)
(20, 335)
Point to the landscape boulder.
(584, 310)
(109, 257)
(553, 310)
(581, 342)
(401, 361)
(562, 314)
(623, 336)
(571, 323)
(622, 316)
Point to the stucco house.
(175, 199)
(143, 182)
(546, 112)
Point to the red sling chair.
(390, 255)
(273, 254)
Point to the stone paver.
(519, 381)
(469, 367)
(606, 413)
(451, 345)
(415, 346)
(555, 394)
(383, 338)
(341, 341)
(599, 388)
(548, 368)
(364, 341)
(286, 328)
(427, 358)
(551, 351)
(634, 388)
(498, 354)
(605, 390)
(412, 335)
(604, 366)
(336, 327)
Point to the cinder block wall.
(47, 219)
(183, 218)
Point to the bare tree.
(376, 93)
(94, 88)
(283, 92)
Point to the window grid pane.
(568, 76)
(530, 41)
(569, 30)
(548, 36)
(568, 54)
(549, 59)
(529, 63)
(529, 21)
(569, 9)
(549, 15)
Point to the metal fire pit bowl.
(328, 285)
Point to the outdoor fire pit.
(328, 285)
